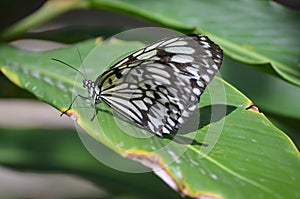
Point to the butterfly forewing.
(158, 87)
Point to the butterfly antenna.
(70, 66)
(81, 61)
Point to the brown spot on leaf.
(153, 161)
(99, 40)
(200, 195)
(161, 170)
(253, 108)
(71, 113)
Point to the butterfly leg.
(95, 113)
(69, 108)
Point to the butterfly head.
(93, 90)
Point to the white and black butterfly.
(158, 87)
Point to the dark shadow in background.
(11, 11)
(207, 116)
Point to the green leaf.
(262, 33)
(244, 151)
(268, 93)
(277, 99)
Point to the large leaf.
(248, 31)
(257, 32)
(278, 99)
(246, 155)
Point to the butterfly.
(158, 87)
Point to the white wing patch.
(182, 59)
(180, 50)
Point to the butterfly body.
(158, 87)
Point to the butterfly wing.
(158, 87)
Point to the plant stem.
(50, 10)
